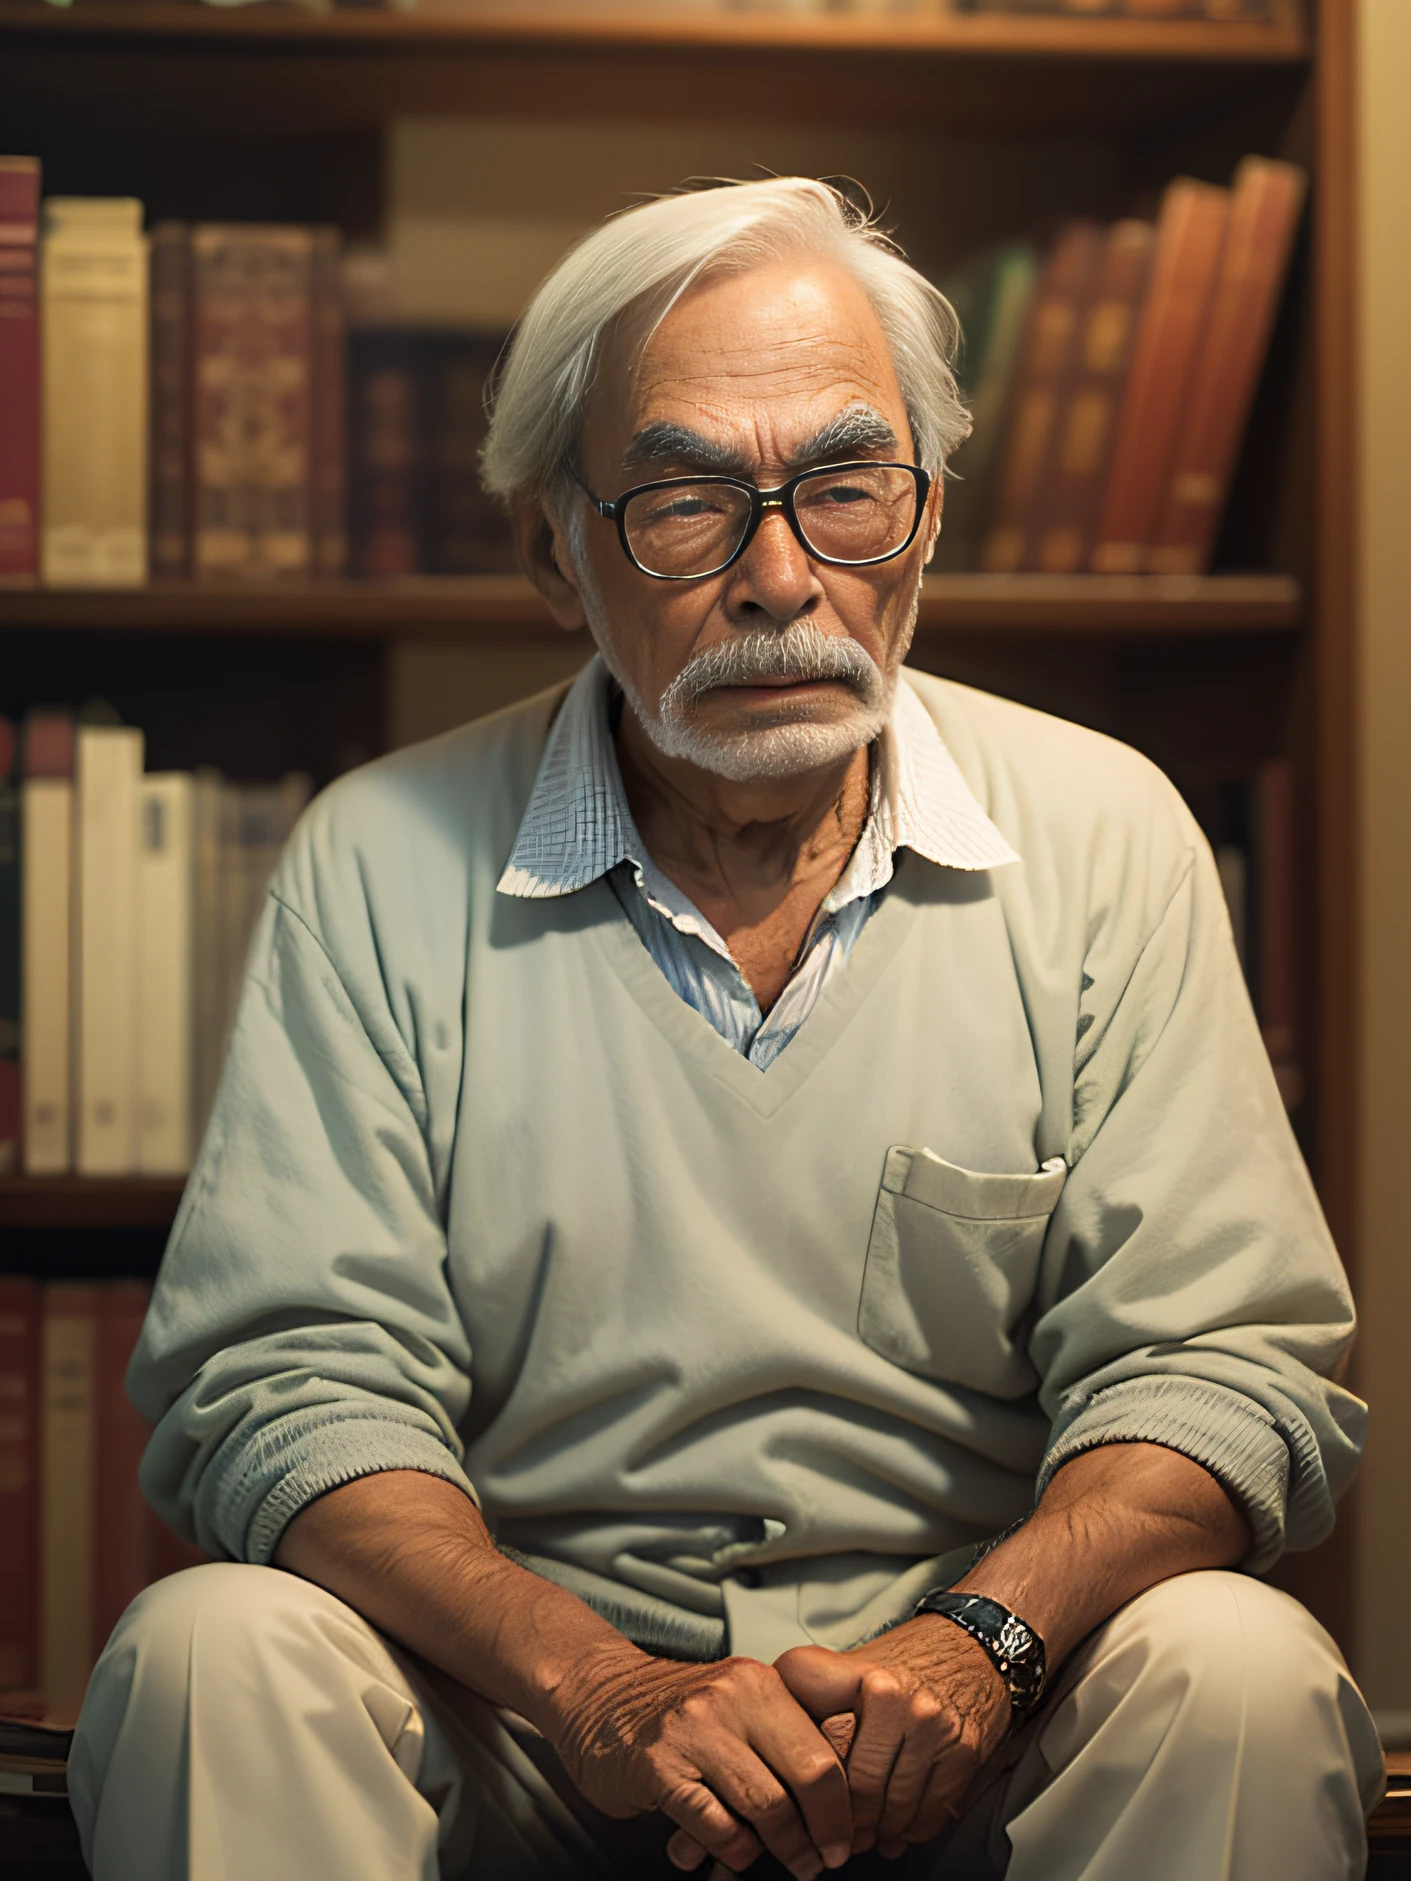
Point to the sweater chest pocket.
(952, 1263)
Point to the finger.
(824, 1683)
(839, 1731)
(709, 1825)
(796, 1750)
(685, 1852)
(751, 1788)
(940, 1802)
(876, 1745)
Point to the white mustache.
(798, 654)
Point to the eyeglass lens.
(853, 515)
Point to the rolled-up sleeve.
(302, 1332)
(1190, 1294)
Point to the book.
(1050, 354)
(107, 769)
(93, 299)
(19, 1483)
(46, 889)
(993, 307)
(19, 369)
(328, 422)
(1265, 208)
(417, 413)
(1084, 429)
(9, 953)
(252, 370)
(165, 937)
(386, 474)
(1189, 236)
(170, 275)
(122, 1522)
(68, 1431)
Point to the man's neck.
(756, 858)
(749, 838)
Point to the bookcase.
(978, 125)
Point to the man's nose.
(773, 575)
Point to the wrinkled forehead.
(759, 362)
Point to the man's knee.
(231, 1613)
(1243, 1663)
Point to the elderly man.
(748, 1266)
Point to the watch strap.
(1012, 1646)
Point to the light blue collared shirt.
(578, 826)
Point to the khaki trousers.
(243, 1725)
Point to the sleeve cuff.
(1226, 1433)
(291, 1467)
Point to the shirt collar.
(577, 824)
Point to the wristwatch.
(1013, 1648)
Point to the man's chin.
(791, 745)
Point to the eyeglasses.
(848, 515)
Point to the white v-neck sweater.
(743, 1355)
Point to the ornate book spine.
(252, 328)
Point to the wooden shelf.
(571, 25)
(89, 1201)
(196, 67)
(505, 607)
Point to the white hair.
(643, 260)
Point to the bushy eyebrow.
(857, 428)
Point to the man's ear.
(544, 556)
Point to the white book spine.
(108, 770)
(165, 987)
(46, 811)
(93, 300)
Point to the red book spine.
(19, 1485)
(122, 1529)
(169, 459)
(19, 369)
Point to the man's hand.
(723, 1750)
(915, 1713)
(928, 1709)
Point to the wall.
(1384, 1358)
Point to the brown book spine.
(1051, 346)
(329, 422)
(19, 1484)
(121, 1528)
(170, 455)
(1189, 235)
(68, 1440)
(252, 346)
(19, 369)
(1264, 215)
(1070, 486)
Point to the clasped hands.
(815, 1758)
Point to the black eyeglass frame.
(780, 497)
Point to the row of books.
(126, 906)
(1111, 381)
(175, 405)
(79, 1539)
